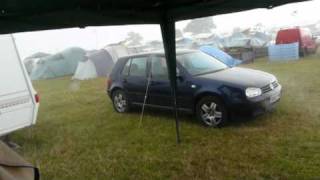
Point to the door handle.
(124, 80)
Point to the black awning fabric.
(19, 16)
(169, 43)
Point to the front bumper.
(260, 104)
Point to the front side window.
(159, 68)
(138, 66)
(197, 63)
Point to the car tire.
(120, 101)
(211, 111)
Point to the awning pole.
(169, 43)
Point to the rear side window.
(159, 68)
(138, 66)
(125, 70)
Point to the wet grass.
(79, 136)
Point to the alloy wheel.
(211, 114)
(120, 102)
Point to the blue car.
(206, 87)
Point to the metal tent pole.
(169, 43)
(145, 98)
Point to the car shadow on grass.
(234, 121)
(165, 114)
(241, 120)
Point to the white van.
(18, 100)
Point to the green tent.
(29, 62)
(58, 65)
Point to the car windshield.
(197, 63)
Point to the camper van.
(19, 101)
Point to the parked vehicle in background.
(303, 36)
(19, 101)
(206, 86)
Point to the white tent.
(98, 63)
(85, 70)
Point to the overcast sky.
(97, 37)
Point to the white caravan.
(18, 100)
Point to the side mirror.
(179, 75)
(180, 78)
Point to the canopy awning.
(18, 16)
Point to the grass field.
(79, 136)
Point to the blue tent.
(58, 65)
(220, 55)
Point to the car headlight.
(253, 92)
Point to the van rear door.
(287, 36)
(18, 107)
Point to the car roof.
(159, 53)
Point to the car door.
(136, 80)
(159, 89)
(185, 89)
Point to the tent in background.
(31, 61)
(185, 42)
(99, 63)
(237, 39)
(85, 70)
(220, 55)
(58, 65)
(262, 36)
(102, 61)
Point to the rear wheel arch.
(116, 89)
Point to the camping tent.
(98, 63)
(85, 70)
(154, 45)
(102, 61)
(262, 36)
(237, 39)
(242, 40)
(58, 65)
(30, 61)
(220, 55)
(185, 42)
